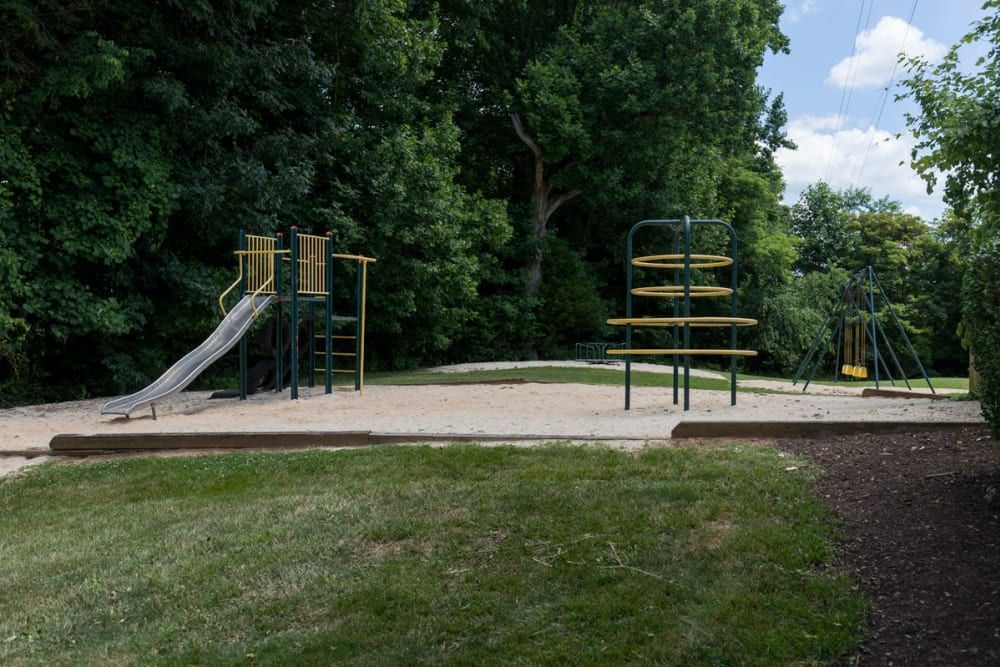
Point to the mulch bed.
(923, 539)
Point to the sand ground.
(545, 410)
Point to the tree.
(607, 102)
(957, 135)
(139, 139)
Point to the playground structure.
(681, 291)
(262, 282)
(856, 329)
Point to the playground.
(497, 410)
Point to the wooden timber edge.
(754, 430)
(83, 445)
(869, 392)
(69, 444)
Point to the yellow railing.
(257, 264)
(312, 264)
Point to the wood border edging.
(804, 429)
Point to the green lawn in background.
(595, 375)
(456, 555)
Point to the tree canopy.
(492, 155)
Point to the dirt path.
(922, 538)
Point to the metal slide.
(226, 335)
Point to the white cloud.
(883, 174)
(796, 12)
(876, 51)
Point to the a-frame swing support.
(864, 284)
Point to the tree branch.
(523, 136)
(560, 200)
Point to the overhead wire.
(848, 91)
(885, 96)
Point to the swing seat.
(862, 373)
(846, 369)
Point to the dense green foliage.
(492, 156)
(843, 232)
(416, 555)
(958, 135)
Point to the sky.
(843, 59)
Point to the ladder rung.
(321, 337)
(337, 354)
(335, 370)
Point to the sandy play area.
(546, 410)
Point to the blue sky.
(820, 77)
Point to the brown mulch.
(922, 538)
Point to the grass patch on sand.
(457, 555)
(561, 374)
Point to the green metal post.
(293, 240)
(906, 338)
(812, 348)
(733, 313)
(279, 320)
(243, 338)
(357, 333)
(687, 312)
(328, 355)
(628, 313)
(822, 352)
(871, 306)
(677, 313)
(311, 328)
(895, 359)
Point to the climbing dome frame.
(681, 261)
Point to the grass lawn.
(412, 555)
(571, 375)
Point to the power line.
(848, 91)
(885, 96)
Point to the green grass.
(457, 555)
(554, 374)
(916, 384)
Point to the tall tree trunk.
(543, 206)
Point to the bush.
(981, 323)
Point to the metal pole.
(822, 352)
(311, 328)
(294, 277)
(243, 338)
(628, 314)
(895, 359)
(279, 320)
(364, 303)
(357, 331)
(677, 313)
(906, 338)
(687, 312)
(732, 327)
(328, 342)
(876, 355)
(822, 329)
(871, 307)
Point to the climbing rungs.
(321, 337)
(337, 354)
(335, 370)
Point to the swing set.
(857, 332)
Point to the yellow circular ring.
(677, 291)
(710, 321)
(703, 261)
(681, 351)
